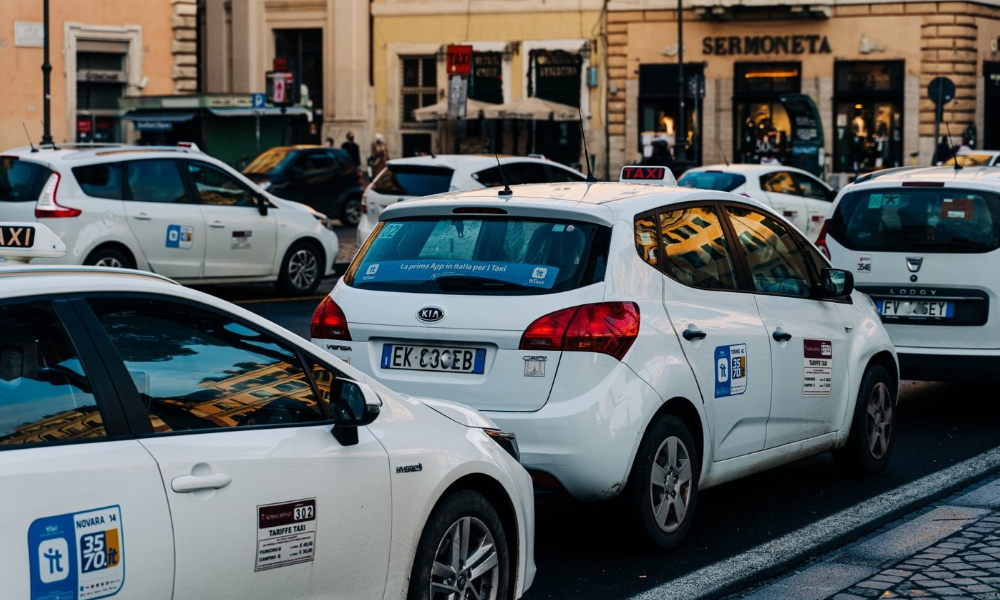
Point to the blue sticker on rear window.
(535, 276)
(77, 556)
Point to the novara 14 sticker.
(817, 374)
(730, 370)
(286, 533)
(180, 236)
(77, 556)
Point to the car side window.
(316, 162)
(810, 188)
(646, 243)
(777, 266)
(45, 393)
(525, 172)
(695, 251)
(779, 182)
(155, 181)
(194, 369)
(218, 188)
(560, 175)
(100, 181)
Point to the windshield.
(474, 255)
(712, 180)
(412, 180)
(21, 180)
(272, 161)
(918, 220)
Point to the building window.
(659, 105)
(101, 77)
(554, 75)
(303, 48)
(763, 128)
(486, 82)
(868, 115)
(419, 88)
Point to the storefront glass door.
(762, 126)
(868, 115)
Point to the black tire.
(452, 512)
(350, 212)
(301, 270)
(873, 426)
(650, 503)
(109, 257)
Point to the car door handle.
(781, 336)
(142, 217)
(694, 334)
(193, 483)
(217, 225)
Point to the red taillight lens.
(361, 182)
(821, 240)
(329, 322)
(608, 328)
(364, 205)
(47, 207)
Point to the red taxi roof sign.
(646, 174)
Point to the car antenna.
(506, 191)
(33, 149)
(723, 153)
(586, 154)
(954, 157)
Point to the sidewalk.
(949, 550)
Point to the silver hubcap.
(352, 212)
(109, 261)
(670, 484)
(466, 565)
(303, 269)
(879, 421)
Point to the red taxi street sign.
(643, 174)
(459, 60)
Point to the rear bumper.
(951, 366)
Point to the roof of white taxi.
(987, 176)
(82, 152)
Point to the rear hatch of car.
(927, 253)
(454, 306)
(400, 182)
(21, 183)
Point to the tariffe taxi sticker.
(817, 374)
(286, 533)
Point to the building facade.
(753, 67)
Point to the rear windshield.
(21, 180)
(411, 180)
(272, 161)
(475, 255)
(947, 220)
(712, 180)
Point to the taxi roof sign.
(21, 242)
(647, 174)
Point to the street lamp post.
(680, 133)
(46, 79)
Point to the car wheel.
(462, 552)
(350, 213)
(873, 427)
(301, 270)
(109, 257)
(662, 491)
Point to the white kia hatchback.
(925, 245)
(157, 443)
(639, 339)
(173, 211)
(796, 195)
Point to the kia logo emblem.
(430, 314)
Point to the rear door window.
(695, 250)
(100, 181)
(712, 180)
(475, 255)
(811, 188)
(155, 181)
(905, 219)
(21, 180)
(780, 182)
(413, 180)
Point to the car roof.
(80, 152)
(944, 174)
(454, 161)
(747, 168)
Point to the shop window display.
(868, 115)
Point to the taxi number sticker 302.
(77, 556)
(730, 370)
(286, 534)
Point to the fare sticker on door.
(817, 374)
(180, 236)
(730, 370)
(241, 240)
(77, 556)
(286, 534)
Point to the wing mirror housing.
(356, 406)
(262, 205)
(835, 283)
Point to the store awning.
(439, 110)
(532, 109)
(153, 121)
(270, 111)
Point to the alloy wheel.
(303, 269)
(466, 565)
(109, 261)
(352, 212)
(670, 484)
(879, 422)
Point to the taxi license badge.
(77, 555)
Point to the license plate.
(22, 236)
(916, 309)
(433, 358)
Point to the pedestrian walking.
(329, 142)
(379, 156)
(352, 149)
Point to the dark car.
(323, 178)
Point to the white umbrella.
(439, 110)
(532, 109)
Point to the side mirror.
(357, 405)
(836, 283)
(262, 205)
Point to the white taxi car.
(159, 443)
(797, 195)
(925, 245)
(640, 340)
(170, 210)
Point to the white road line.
(770, 558)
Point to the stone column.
(184, 47)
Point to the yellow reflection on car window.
(695, 249)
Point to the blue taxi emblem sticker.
(730, 370)
(77, 556)
(180, 236)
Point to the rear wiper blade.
(471, 282)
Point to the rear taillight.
(608, 328)
(47, 207)
(821, 240)
(364, 204)
(329, 322)
(361, 182)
